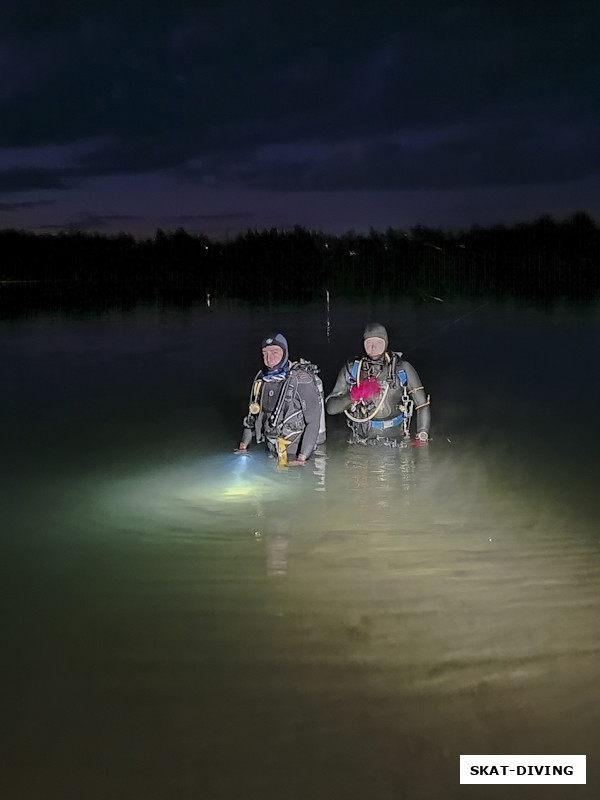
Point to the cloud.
(27, 205)
(476, 153)
(90, 222)
(18, 180)
(235, 216)
(323, 96)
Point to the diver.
(286, 406)
(379, 394)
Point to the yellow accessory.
(282, 454)
(254, 408)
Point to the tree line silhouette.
(540, 260)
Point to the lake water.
(180, 622)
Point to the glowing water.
(183, 622)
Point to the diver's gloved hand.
(365, 391)
(420, 440)
(241, 449)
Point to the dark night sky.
(128, 115)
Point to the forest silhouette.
(543, 260)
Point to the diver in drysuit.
(379, 393)
(286, 406)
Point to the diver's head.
(375, 340)
(275, 352)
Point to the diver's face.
(272, 355)
(374, 346)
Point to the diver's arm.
(311, 410)
(247, 436)
(246, 439)
(417, 394)
(249, 427)
(339, 398)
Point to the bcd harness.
(284, 424)
(406, 405)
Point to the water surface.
(181, 622)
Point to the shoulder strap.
(286, 394)
(399, 369)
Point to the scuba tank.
(322, 426)
(313, 370)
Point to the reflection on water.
(185, 622)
